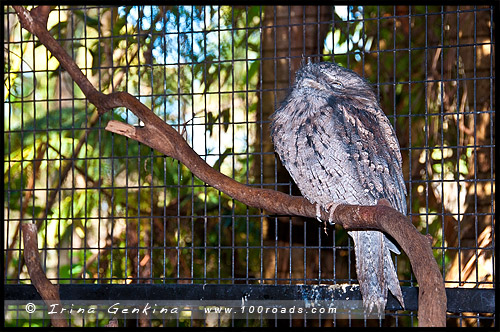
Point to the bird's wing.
(349, 155)
(346, 154)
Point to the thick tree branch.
(160, 136)
(48, 292)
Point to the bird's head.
(328, 80)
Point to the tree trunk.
(290, 34)
(476, 226)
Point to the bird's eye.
(337, 84)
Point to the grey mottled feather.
(338, 146)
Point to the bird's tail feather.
(375, 270)
(391, 278)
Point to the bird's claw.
(318, 212)
(318, 216)
(331, 210)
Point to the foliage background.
(112, 210)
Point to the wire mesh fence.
(113, 213)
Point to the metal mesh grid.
(111, 210)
